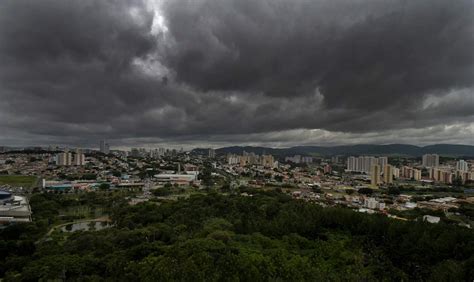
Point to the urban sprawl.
(430, 187)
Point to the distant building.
(430, 160)
(327, 169)
(352, 164)
(388, 174)
(211, 153)
(179, 179)
(307, 159)
(64, 158)
(382, 161)
(431, 219)
(410, 173)
(375, 175)
(14, 208)
(104, 147)
(135, 152)
(462, 165)
(267, 161)
(463, 175)
(233, 159)
(298, 159)
(248, 159)
(396, 172)
(364, 163)
(370, 203)
(441, 175)
(79, 158)
(295, 159)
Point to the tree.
(104, 186)
(457, 181)
(206, 175)
(393, 190)
(365, 191)
(225, 187)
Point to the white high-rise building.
(104, 147)
(79, 158)
(211, 153)
(64, 159)
(462, 165)
(352, 163)
(396, 172)
(233, 159)
(383, 161)
(430, 160)
(364, 163)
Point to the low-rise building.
(13, 208)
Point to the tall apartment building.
(388, 174)
(104, 147)
(441, 175)
(248, 159)
(79, 158)
(382, 161)
(375, 175)
(211, 153)
(462, 165)
(464, 175)
(251, 159)
(64, 158)
(352, 163)
(306, 159)
(396, 172)
(364, 163)
(410, 173)
(430, 160)
(295, 159)
(267, 160)
(233, 159)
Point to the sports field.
(18, 180)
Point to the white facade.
(430, 160)
(370, 203)
(64, 159)
(462, 165)
(104, 147)
(79, 158)
(365, 163)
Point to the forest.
(266, 236)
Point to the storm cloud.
(274, 72)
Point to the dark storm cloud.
(361, 54)
(235, 70)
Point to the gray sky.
(219, 72)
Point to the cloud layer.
(274, 72)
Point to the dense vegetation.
(264, 237)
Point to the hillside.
(363, 149)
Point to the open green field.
(18, 180)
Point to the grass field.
(18, 180)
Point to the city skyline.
(236, 140)
(269, 73)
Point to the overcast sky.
(241, 72)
